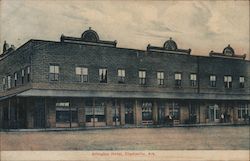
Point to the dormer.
(169, 46)
(88, 37)
(228, 52)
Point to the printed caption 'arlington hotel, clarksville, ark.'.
(87, 82)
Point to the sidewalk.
(121, 127)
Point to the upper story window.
(193, 80)
(22, 75)
(160, 78)
(242, 82)
(53, 72)
(15, 79)
(121, 75)
(228, 81)
(28, 73)
(103, 75)
(177, 78)
(8, 82)
(4, 83)
(212, 81)
(82, 74)
(142, 77)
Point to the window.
(95, 113)
(228, 81)
(212, 81)
(82, 74)
(193, 80)
(65, 114)
(15, 79)
(142, 77)
(121, 76)
(177, 78)
(54, 72)
(242, 111)
(28, 74)
(242, 82)
(160, 78)
(22, 74)
(147, 111)
(4, 83)
(8, 82)
(174, 111)
(103, 72)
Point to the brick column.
(122, 113)
(81, 113)
(109, 117)
(137, 113)
(235, 113)
(51, 111)
(184, 113)
(155, 113)
(203, 109)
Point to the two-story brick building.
(81, 82)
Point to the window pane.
(56, 69)
(52, 69)
(225, 79)
(242, 79)
(85, 71)
(78, 70)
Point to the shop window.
(103, 75)
(243, 111)
(160, 78)
(174, 111)
(242, 82)
(193, 80)
(142, 77)
(212, 81)
(54, 72)
(147, 111)
(121, 75)
(95, 113)
(82, 74)
(65, 113)
(228, 81)
(177, 78)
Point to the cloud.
(202, 26)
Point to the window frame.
(54, 75)
(103, 75)
(228, 83)
(84, 74)
(212, 83)
(242, 83)
(121, 74)
(142, 77)
(160, 76)
(178, 80)
(193, 79)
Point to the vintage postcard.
(124, 80)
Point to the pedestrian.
(222, 118)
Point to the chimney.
(5, 46)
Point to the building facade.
(88, 82)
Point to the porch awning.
(120, 94)
(6, 97)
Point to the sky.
(200, 25)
